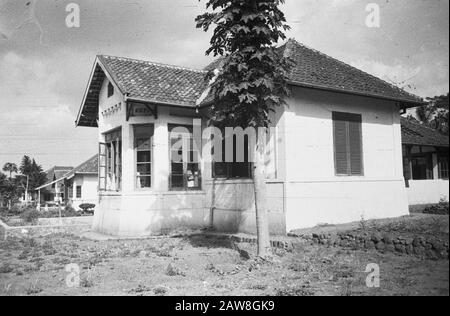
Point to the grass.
(205, 265)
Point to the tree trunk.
(260, 187)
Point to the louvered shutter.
(348, 144)
(341, 147)
(354, 133)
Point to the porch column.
(435, 166)
(161, 163)
(128, 165)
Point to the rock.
(380, 246)
(388, 240)
(369, 244)
(400, 248)
(376, 238)
(390, 247)
(420, 251)
(410, 249)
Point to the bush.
(87, 208)
(438, 209)
(30, 215)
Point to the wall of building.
(133, 212)
(314, 194)
(89, 186)
(423, 192)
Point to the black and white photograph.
(224, 155)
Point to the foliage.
(33, 173)
(87, 207)
(252, 81)
(438, 209)
(30, 215)
(11, 168)
(435, 113)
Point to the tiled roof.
(88, 167)
(315, 69)
(156, 82)
(178, 86)
(417, 134)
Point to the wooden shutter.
(341, 147)
(102, 161)
(348, 144)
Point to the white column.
(435, 167)
(161, 163)
(128, 165)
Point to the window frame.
(185, 162)
(230, 165)
(348, 117)
(113, 160)
(80, 195)
(443, 172)
(110, 89)
(136, 151)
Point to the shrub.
(438, 209)
(30, 215)
(87, 207)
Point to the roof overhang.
(88, 112)
(404, 104)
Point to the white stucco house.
(73, 186)
(335, 154)
(425, 160)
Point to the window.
(110, 90)
(233, 170)
(143, 143)
(443, 167)
(78, 191)
(348, 153)
(110, 162)
(422, 167)
(185, 171)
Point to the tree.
(11, 168)
(251, 82)
(33, 175)
(435, 113)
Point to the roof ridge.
(154, 63)
(421, 124)
(295, 42)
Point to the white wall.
(315, 195)
(422, 192)
(89, 193)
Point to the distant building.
(72, 186)
(53, 191)
(425, 162)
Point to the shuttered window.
(348, 151)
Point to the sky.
(45, 65)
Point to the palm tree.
(10, 167)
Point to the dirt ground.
(206, 265)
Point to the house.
(425, 162)
(334, 152)
(73, 186)
(82, 183)
(53, 191)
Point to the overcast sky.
(44, 65)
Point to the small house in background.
(53, 191)
(71, 186)
(334, 154)
(425, 161)
(82, 183)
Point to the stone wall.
(426, 248)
